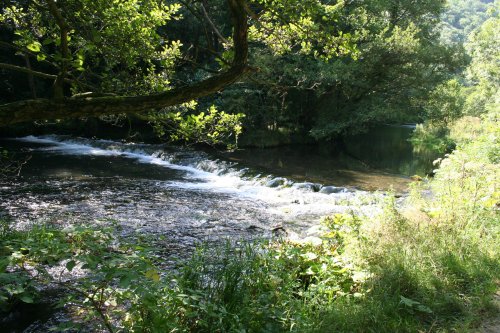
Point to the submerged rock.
(333, 189)
(310, 187)
(275, 182)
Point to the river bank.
(118, 197)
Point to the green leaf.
(125, 281)
(78, 62)
(14, 289)
(41, 57)
(70, 265)
(408, 302)
(26, 298)
(153, 275)
(423, 308)
(48, 41)
(34, 47)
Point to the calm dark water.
(380, 159)
(388, 148)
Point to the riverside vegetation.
(432, 265)
(429, 265)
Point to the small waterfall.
(297, 204)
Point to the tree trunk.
(31, 78)
(41, 109)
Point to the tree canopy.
(321, 67)
(396, 60)
(122, 43)
(119, 48)
(462, 17)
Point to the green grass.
(423, 278)
(432, 266)
(383, 275)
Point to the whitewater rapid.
(184, 195)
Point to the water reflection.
(380, 159)
(388, 148)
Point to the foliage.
(111, 48)
(323, 68)
(304, 27)
(483, 72)
(430, 266)
(465, 130)
(432, 137)
(453, 108)
(424, 273)
(461, 18)
(273, 286)
(465, 185)
(397, 272)
(256, 288)
(213, 128)
(433, 262)
(445, 103)
(395, 61)
(128, 48)
(110, 272)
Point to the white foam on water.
(282, 200)
(72, 147)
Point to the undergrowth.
(431, 265)
(389, 275)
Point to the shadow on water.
(388, 148)
(377, 160)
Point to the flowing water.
(183, 197)
(189, 196)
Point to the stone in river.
(275, 182)
(332, 189)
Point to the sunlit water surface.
(182, 197)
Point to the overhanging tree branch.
(41, 109)
(27, 71)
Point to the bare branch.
(27, 71)
(212, 25)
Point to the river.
(183, 197)
(190, 196)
